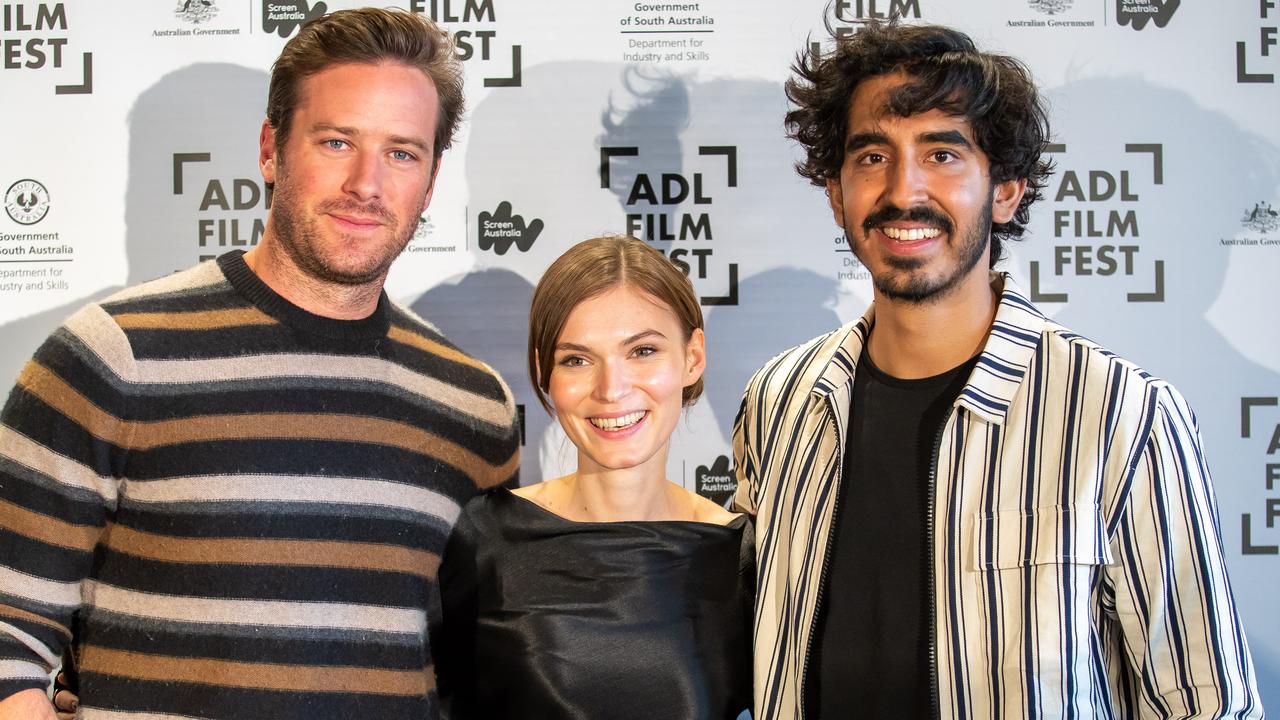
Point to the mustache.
(374, 209)
(918, 213)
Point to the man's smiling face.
(915, 197)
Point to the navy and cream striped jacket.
(1077, 561)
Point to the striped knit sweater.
(234, 508)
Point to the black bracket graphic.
(1156, 295)
(180, 159)
(1247, 404)
(607, 153)
(516, 72)
(86, 84)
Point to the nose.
(364, 177)
(612, 382)
(906, 186)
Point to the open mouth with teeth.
(617, 424)
(909, 235)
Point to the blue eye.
(402, 155)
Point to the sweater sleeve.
(62, 437)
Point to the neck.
(621, 495)
(912, 340)
(274, 267)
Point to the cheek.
(565, 392)
(664, 382)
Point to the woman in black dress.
(611, 592)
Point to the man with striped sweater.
(965, 510)
(230, 487)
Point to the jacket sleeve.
(61, 439)
(745, 452)
(1181, 634)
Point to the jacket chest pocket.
(1046, 535)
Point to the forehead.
(621, 310)
(869, 108)
(387, 95)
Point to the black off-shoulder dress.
(544, 617)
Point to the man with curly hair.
(964, 509)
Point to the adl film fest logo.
(1094, 212)
(32, 42)
(859, 12)
(232, 211)
(1256, 413)
(651, 211)
(471, 24)
(1248, 61)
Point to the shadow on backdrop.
(1213, 172)
(214, 108)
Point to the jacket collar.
(1006, 356)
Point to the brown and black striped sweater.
(237, 508)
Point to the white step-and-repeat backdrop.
(130, 134)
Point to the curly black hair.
(994, 93)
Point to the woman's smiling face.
(621, 364)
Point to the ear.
(267, 152)
(835, 196)
(1005, 197)
(695, 357)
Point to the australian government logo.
(1050, 7)
(1260, 227)
(196, 11)
(1055, 14)
(26, 202)
(197, 17)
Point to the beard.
(906, 278)
(298, 230)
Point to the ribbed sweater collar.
(251, 287)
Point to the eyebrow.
(354, 132)
(572, 347)
(857, 141)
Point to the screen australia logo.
(1137, 13)
(500, 229)
(284, 18)
(716, 483)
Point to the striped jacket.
(234, 508)
(1077, 562)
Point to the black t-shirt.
(870, 655)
